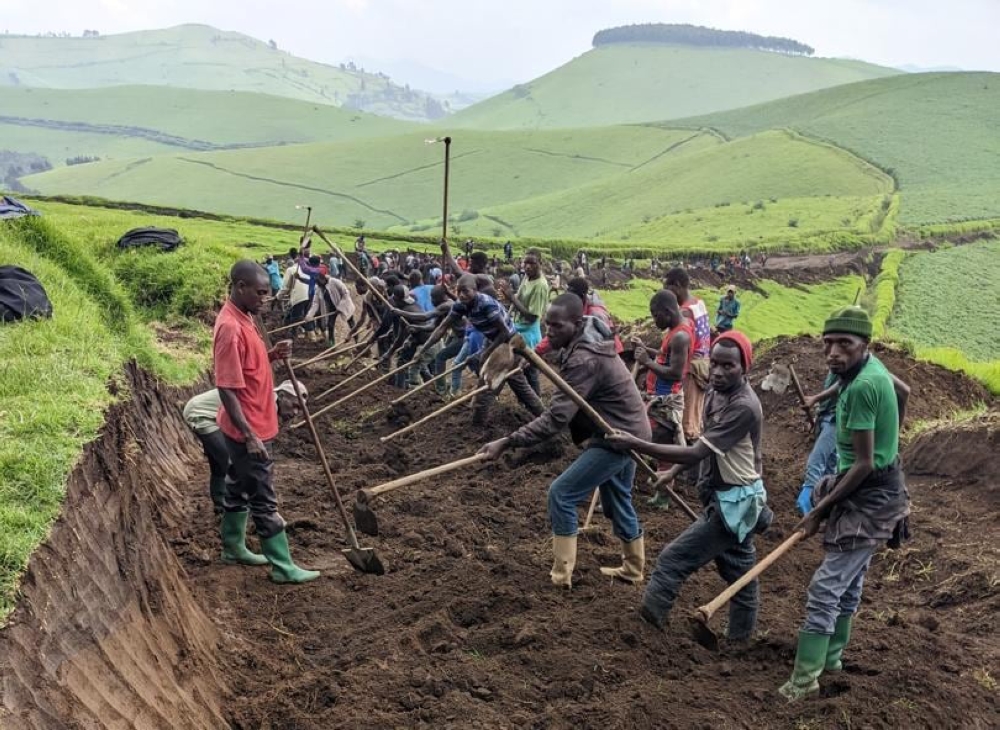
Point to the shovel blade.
(364, 560)
(365, 519)
(703, 633)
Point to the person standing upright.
(694, 309)
(529, 305)
(728, 311)
(248, 419)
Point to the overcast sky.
(517, 40)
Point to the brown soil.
(466, 631)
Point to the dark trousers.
(250, 486)
(214, 445)
(517, 383)
(297, 313)
(707, 539)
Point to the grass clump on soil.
(53, 384)
(784, 311)
(885, 291)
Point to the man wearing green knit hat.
(864, 505)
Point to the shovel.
(588, 410)
(703, 633)
(366, 519)
(362, 559)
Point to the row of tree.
(696, 35)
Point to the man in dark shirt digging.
(589, 364)
(730, 488)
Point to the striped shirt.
(485, 314)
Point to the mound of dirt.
(466, 631)
(107, 633)
(968, 451)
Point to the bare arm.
(448, 322)
(864, 465)
(902, 396)
(693, 454)
(255, 447)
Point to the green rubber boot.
(283, 570)
(841, 635)
(809, 661)
(234, 541)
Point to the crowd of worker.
(687, 405)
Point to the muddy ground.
(465, 630)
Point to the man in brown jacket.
(589, 363)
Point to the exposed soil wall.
(107, 633)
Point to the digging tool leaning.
(590, 412)
(802, 397)
(703, 634)
(342, 383)
(334, 351)
(362, 559)
(366, 519)
(359, 391)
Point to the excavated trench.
(128, 621)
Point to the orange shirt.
(242, 365)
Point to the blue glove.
(804, 500)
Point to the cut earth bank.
(128, 620)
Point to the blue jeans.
(823, 457)
(705, 540)
(451, 350)
(596, 468)
(835, 589)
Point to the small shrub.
(793, 222)
(759, 205)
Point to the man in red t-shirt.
(248, 420)
(666, 374)
(693, 309)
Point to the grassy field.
(648, 82)
(784, 311)
(724, 184)
(951, 299)
(136, 121)
(53, 383)
(179, 57)
(660, 190)
(935, 132)
(384, 182)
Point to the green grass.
(885, 291)
(53, 384)
(935, 132)
(951, 299)
(733, 176)
(385, 182)
(626, 83)
(135, 121)
(784, 311)
(198, 57)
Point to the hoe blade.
(364, 560)
(365, 519)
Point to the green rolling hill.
(202, 57)
(135, 121)
(936, 133)
(643, 82)
(384, 181)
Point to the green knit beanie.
(851, 321)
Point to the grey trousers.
(705, 540)
(835, 588)
(250, 486)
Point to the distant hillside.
(202, 57)
(936, 133)
(643, 82)
(135, 121)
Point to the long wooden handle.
(345, 381)
(300, 323)
(331, 352)
(434, 414)
(423, 385)
(368, 493)
(322, 457)
(596, 417)
(802, 396)
(337, 250)
(723, 598)
(359, 391)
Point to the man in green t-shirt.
(864, 505)
(529, 305)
